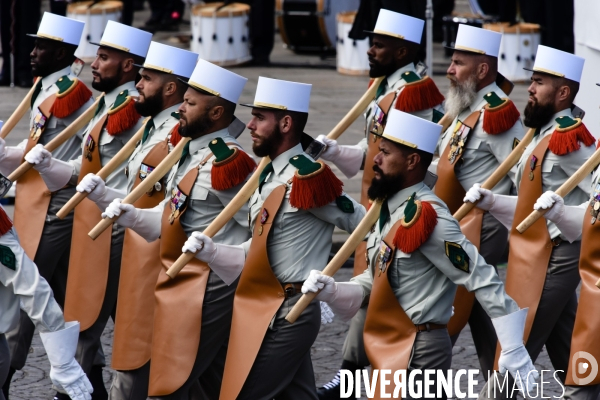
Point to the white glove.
(56, 173)
(344, 298)
(127, 213)
(553, 203)
(514, 357)
(65, 372)
(10, 157)
(348, 159)
(326, 314)
(485, 197)
(99, 193)
(224, 260)
(568, 219)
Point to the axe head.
(5, 185)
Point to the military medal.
(532, 164)
(376, 126)
(177, 202)
(595, 204)
(385, 252)
(457, 141)
(89, 147)
(39, 121)
(263, 219)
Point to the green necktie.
(100, 105)
(537, 132)
(36, 91)
(149, 125)
(381, 88)
(263, 175)
(384, 214)
(184, 154)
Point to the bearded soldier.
(59, 98)
(160, 95)
(417, 256)
(196, 305)
(542, 265)
(94, 274)
(393, 54)
(485, 129)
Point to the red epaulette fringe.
(175, 136)
(410, 236)
(565, 142)
(418, 96)
(316, 189)
(231, 171)
(501, 118)
(122, 118)
(71, 100)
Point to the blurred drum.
(517, 49)
(95, 17)
(310, 25)
(220, 34)
(450, 27)
(352, 56)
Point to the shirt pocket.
(105, 138)
(547, 165)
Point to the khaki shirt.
(483, 153)
(300, 240)
(72, 147)
(24, 288)
(110, 145)
(425, 281)
(557, 169)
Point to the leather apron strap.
(389, 333)
(258, 297)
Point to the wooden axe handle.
(564, 189)
(500, 172)
(118, 159)
(340, 257)
(61, 138)
(156, 175)
(19, 112)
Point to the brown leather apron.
(449, 189)
(528, 252)
(258, 297)
(89, 259)
(389, 333)
(360, 259)
(32, 196)
(178, 304)
(140, 266)
(587, 323)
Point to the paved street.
(332, 96)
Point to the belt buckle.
(556, 241)
(289, 290)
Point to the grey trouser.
(89, 340)
(208, 368)
(130, 385)
(4, 362)
(494, 238)
(283, 367)
(555, 316)
(354, 345)
(52, 260)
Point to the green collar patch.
(411, 208)
(565, 122)
(220, 149)
(457, 256)
(64, 83)
(176, 115)
(121, 98)
(304, 165)
(410, 77)
(345, 204)
(7, 258)
(493, 99)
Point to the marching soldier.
(486, 127)
(417, 256)
(160, 95)
(22, 287)
(94, 265)
(542, 265)
(196, 305)
(396, 40)
(59, 98)
(293, 213)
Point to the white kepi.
(125, 38)
(217, 81)
(170, 60)
(412, 131)
(281, 95)
(477, 40)
(558, 63)
(398, 25)
(59, 28)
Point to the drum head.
(210, 10)
(83, 7)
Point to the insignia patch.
(7, 258)
(376, 125)
(177, 202)
(515, 143)
(145, 171)
(457, 256)
(39, 121)
(385, 252)
(345, 204)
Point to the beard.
(263, 149)
(385, 186)
(196, 128)
(460, 95)
(151, 105)
(538, 114)
(107, 83)
(378, 69)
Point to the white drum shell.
(517, 51)
(93, 30)
(352, 56)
